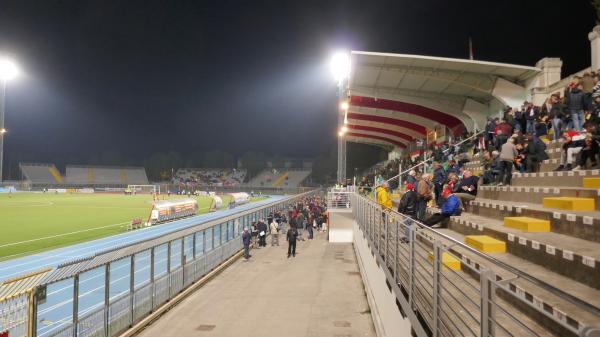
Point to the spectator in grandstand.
(534, 151)
(595, 109)
(531, 115)
(412, 178)
(274, 233)
(246, 238)
(423, 195)
(518, 119)
(573, 143)
(291, 236)
(508, 154)
(453, 167)
(408, 207)
(589, 151)
(450, 208)
(452, 180)
(383, 196)
(439, 179)
(587, 86)
(466, 189)
(575, 101)
(556, 115)
(499, 140)
(491, 167)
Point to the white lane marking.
(61, 235)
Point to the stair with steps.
(547, 225)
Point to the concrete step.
(570, 203)
(591, 183)
(448, 261)
(459, 291)
(574, 258)
(536, 194)
(578, 224)
(536, 296)
(527, 224)
(555, 179)
(485, 244)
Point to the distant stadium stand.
(41, 173)
(210, 177)
(106, 175)
(279, 178)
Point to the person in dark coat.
(246, 238)
(262, 234)
(291, 236)
(408, 207)
(575, 101)
(439, 179)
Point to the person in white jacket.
(274, 233)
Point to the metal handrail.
(558, 292)
(431, 158)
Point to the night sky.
(137, 77)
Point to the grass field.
(33, 222)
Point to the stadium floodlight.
(8, 70)
(344, 106)
(344, 129)
(341, 134)
(2, 131)
(340, 66)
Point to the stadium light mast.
(8, 71)
(340, 69)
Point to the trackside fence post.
(75, 303)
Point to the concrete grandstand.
(48, 174)
(278, 178)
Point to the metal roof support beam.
(509, 93)
(478, 113)
(441, 75)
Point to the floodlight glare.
(2, 131)
(340, 134)
(8, 69)
(344, 129)
(340, 66)
(344, 106)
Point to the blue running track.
(52, 258)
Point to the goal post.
(143, 189)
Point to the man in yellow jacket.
(383, 196)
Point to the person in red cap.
(449, 208)
(408, 207)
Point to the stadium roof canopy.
(395, 98)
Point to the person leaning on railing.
(423, 195)
(383, 196)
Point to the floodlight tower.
(8, 71)
(340, 68)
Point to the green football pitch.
(33, 222)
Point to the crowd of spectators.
(514, 141)
(305, 216)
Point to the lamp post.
(340, 68)
(8, 71)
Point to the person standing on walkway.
(246, 238)
(274, 233)
(291, 236)
(262, 233)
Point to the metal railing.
(425, 161)
(446, 288)
(339, 199)
(105, 294)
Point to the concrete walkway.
(317, 293)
